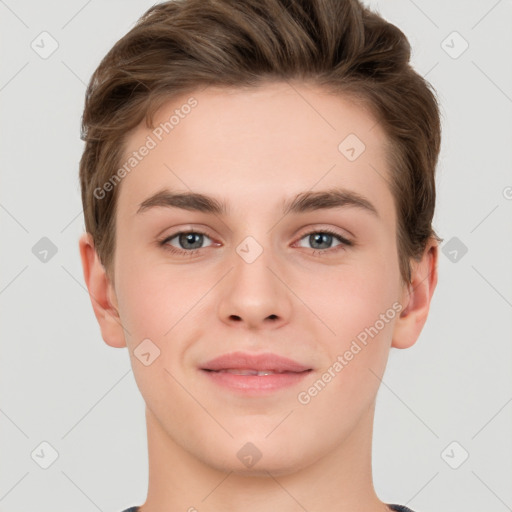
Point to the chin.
(259, 457)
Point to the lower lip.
(256, 384)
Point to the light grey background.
(61, 384)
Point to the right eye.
(188, 242)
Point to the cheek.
(151, 297)
(359, 304)
(352, 295)
(164, 302)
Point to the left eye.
(323, 239)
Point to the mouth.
(254, 374)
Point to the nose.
(254, 294)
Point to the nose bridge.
(254, 250)
(252, 261)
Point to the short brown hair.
(181, 45)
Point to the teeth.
(249, 372)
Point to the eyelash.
(183, 252)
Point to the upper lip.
(258, 362)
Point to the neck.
(340, 480)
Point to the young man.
(258, 190)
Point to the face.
(269, 264)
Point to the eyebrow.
(303, 202)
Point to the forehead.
(250, 144)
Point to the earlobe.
(416, 299)
(101, 293)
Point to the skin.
(255, 149)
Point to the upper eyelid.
(186, 232)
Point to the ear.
(416, 298)
(102, 294)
